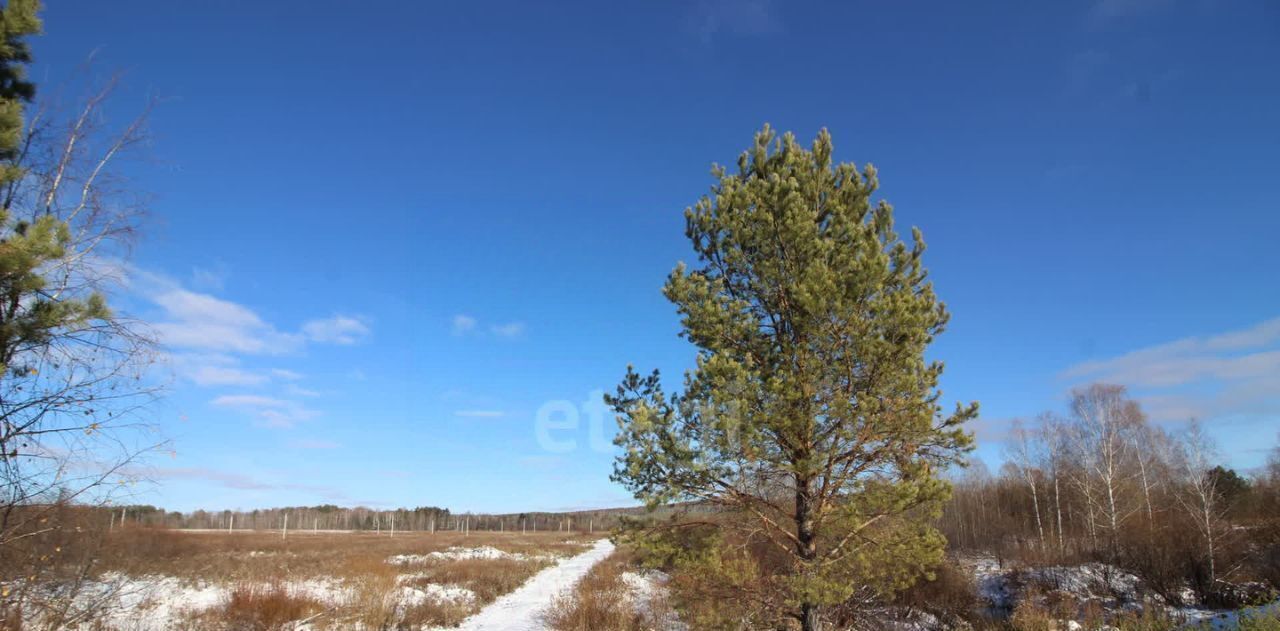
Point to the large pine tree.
(812, 416)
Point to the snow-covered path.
(522, 609)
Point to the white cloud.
(510, 329)
(463, 324)
(224, 376)
(209, 279)
(200, 321)
(214, 369)
(298, 391)
(193, 320)
(314, 444)
(1220, 356)
(248, 400)
(272, 411)
(285, 374)
(238, 481)
(1235, 372)
(480, 413)
(340, 329)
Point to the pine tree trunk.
(807, 549)
(809, 617)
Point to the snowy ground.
(1001, 586)
(158, 603)
(460, 554)
(648, 593)
(523, 609)
(1229, 619)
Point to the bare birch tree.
(1104, 417)
(1021, 450)
(1199, 495)
(74, 372)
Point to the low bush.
(258, 607)
(949, 595)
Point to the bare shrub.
(950, 595)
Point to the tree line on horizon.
(358, 518)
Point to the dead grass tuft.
(602, 600)
(265, 607)
(488, 578)
(436, 614)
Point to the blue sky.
(386, 235)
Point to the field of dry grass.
(142, 579)
(616, 594)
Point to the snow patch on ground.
(143, 603)
(523, 609)
(327, 591)
(1090, 581)
(648, 592)
(992, 580)
(160, 603)
(1001, 586)
(905, 619)
(1225, 620)
(461, 554)
(407, 596)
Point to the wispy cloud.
(209, 279)
(298, 391)
(314, 444)
(1231, 355)
(480, 413)
(710, 18)
(272, 411)
(510, 329)
(463, 324)
(1231, 372)
(240, 481)
(199, 321)
(215, 369)
(989, 430)
(339, 329)
(210, 339)
(1111, 9)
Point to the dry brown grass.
(259, 567)
(436, 614)
(262, 556)
(602, 600)
(265, 607)
(487, 578)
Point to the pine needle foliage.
(812, 415)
